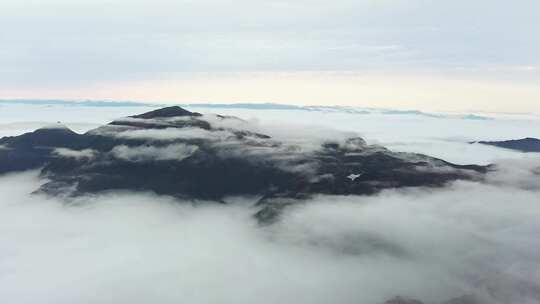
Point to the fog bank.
(433, 245)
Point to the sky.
(434, 55)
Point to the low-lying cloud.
(76, 154)
(169, 134)
(150, 153)
(468, 238)
(430, 244)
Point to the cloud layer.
(122, 247)
(149, 153)
(430, 244)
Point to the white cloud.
(150, 153)
(174, 133)
(523, 173)
(432, 245)
(76, 154)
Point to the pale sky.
(481, 55)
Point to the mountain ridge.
(528, 144)
(173, 151)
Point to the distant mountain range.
(248, 106)
(528, 144)
(173, 151)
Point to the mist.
(469, 238)
(434, 245)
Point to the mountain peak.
(55, 127)
(173, 111)
(190, 159)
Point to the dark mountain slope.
(175, 152)
(524, 145)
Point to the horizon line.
(240, 104)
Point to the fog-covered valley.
(430, 244)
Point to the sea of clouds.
(429, 244)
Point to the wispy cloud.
(77, 154)
(176, 152)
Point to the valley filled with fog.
(468, 238)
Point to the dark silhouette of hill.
(172, 151)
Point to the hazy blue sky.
(429, 54)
